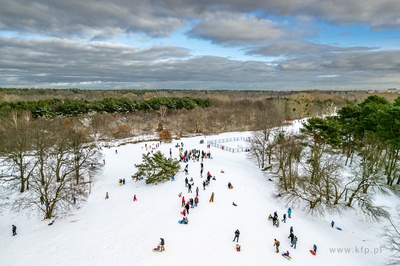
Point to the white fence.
(215, 143)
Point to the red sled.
(238, 249)
(312, 252)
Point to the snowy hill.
(119, 231)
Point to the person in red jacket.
(183, 201)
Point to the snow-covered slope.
(119, 231)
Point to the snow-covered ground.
(119, 231)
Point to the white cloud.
(236, 29)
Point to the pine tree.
(157, 168)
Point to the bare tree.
(368, 168)
(43, 137)
(180, 122)
(163, 111)
(65, 172)
(331, 108)
(258, 147)
(288, 152)
(99, 124)
(83, 155)
(319, 193)
(52, 197)
(197, 119)
(391, 236)
(266, 126)
(16, 149)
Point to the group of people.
(155, 146)
(292, 237)
(193, 201)
(193, 154)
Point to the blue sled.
(340, 229)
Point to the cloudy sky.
(200, 44)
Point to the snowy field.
(119, 231)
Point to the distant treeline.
(71, 107)
(76, 91)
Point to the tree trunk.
(21, 177)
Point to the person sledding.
(212, 197)
(286, 255)
(183, 212)
(209, 175)
(185, 220)
(238, 247)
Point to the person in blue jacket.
(289, 212)
(14, 230)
